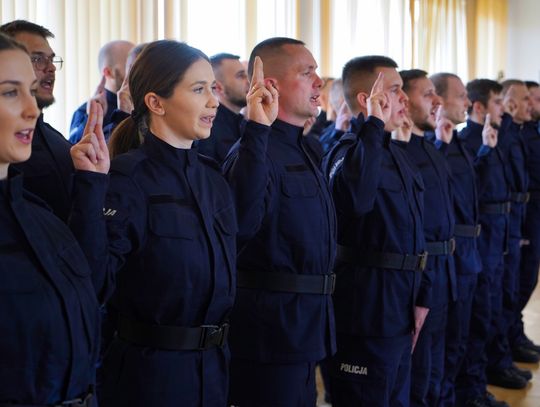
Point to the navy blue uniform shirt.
(226, 129)
(286, 225)
(439, 277)
(49, 171)
(378, 194)
(165, 245)
(463, 181)
(78, 121)
(531, 135)
(49, 315)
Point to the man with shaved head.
(378, 195)
(282, 323)
(112, 66)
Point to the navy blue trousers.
(530, 263)
(256, 384)
(457, 335)
(428, 359)
(371, 371)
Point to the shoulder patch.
(127, 163)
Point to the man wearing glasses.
(47, 173)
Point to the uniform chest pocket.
(73, 258)
(390, 183)
(175, 220)
(299, 186)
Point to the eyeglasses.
(42, 62)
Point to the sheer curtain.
(467, 37)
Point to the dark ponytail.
(159, 68)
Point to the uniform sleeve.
(355, 180)
(247, 171)
(108, 218)
(78, 121)
(116, 118)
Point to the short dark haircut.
(357, 69)
(480, 90)
(409, 75)
(18, 26)
(440, 81)
(270, 46)
(215, 60)
(8, 43)
(532, 84)
(509, 82)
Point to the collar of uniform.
(357, 123)
(13, 185)
(290, 132)
(161, 150)
(474, 127)
(416, 139)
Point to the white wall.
(523, 40)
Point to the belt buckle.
(452, 246)
(422, 261)
(329, 281)
(478, 230)
(213, 335)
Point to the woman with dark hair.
(159, 232)
(49, 318)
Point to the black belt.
(441, 248)
(467, 230)
(495, 208)
(534, 196)
(172, 337)
(287, 282)
(80, 402)
(520, 197)
(385, 260)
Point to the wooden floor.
(530, 396)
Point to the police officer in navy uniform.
(282, 322)
(378, 194)
(454, 105)
(494, 207)
(232, 85)
(520, 344)
(516, 102)
(165, 243)
(438, 280)
(50, 315)
(48, 172)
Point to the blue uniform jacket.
(512, 145)
(492, 188)
(165, 245)
(438, 285)
(226, 129)
(49, 318)
(531, 135)
(78, 121)
(463, 181)
(286, 224)
(49, 171)
(378, 194)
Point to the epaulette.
(211, 162)
(127, 163)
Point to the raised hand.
(404, 132)
(100, 96)
(123, 96)
(262, 100)
(378, 103)
(344, 116)
(509, 101)
(444, 129)
(489, 134)
(420, 314)
(91, 153)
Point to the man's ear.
(478, 108)
(153, 102)
(272, 82)
(361, 99)
(219, 87)
(107, 72)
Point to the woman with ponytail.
(159, 232)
